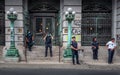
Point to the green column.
(70, 15)
(12, 34)
(12, 51)
(69, 34)
(68, 52)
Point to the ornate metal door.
(96, 21)
(42, 26)
(44, 13)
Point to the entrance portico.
(43, 19)
(42, 16)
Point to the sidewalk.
(86, 62)
(23, 65)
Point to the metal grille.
(96, 25)
(44, 25)
(96, 21)
(2, 25)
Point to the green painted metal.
(12, 51)
(69, 34)
(67, 52)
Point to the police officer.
(111, 45)
(74, 47)
(29, 40)
(95, 47)
(48, 44)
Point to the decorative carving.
(19, 30)
(65, 30)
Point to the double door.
(42, 26)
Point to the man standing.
(74, 47)
(48, 44)
(95, 47)
(111, 45)
(29, 40)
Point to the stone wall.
(76, 5)
(118, 24)
(19, 28)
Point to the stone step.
(38, 53)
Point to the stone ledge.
(11, 59)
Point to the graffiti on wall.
(77, 23)
(76, 31)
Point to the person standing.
(48, 44)
(111, 45)
(74, 47)
(29, 40)
(95, 47)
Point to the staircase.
(38, 54)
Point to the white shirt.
(111, 45)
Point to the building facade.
(94, 18)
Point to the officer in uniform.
(74, 47)
(48, 44)
(29, 40)
(95, 47)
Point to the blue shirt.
(74, 44)
(95, 43)
(29, 37)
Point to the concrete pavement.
(33, 71)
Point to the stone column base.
(11, 59)
(21, 57)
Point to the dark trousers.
(46, 49)
(75, 54)
(95, 54)
(29, 45)
(110, 55)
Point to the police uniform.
(95, 47)
(48, 44)
(75, 52)
(30, 41)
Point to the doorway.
(44, 19)
(42, 26)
